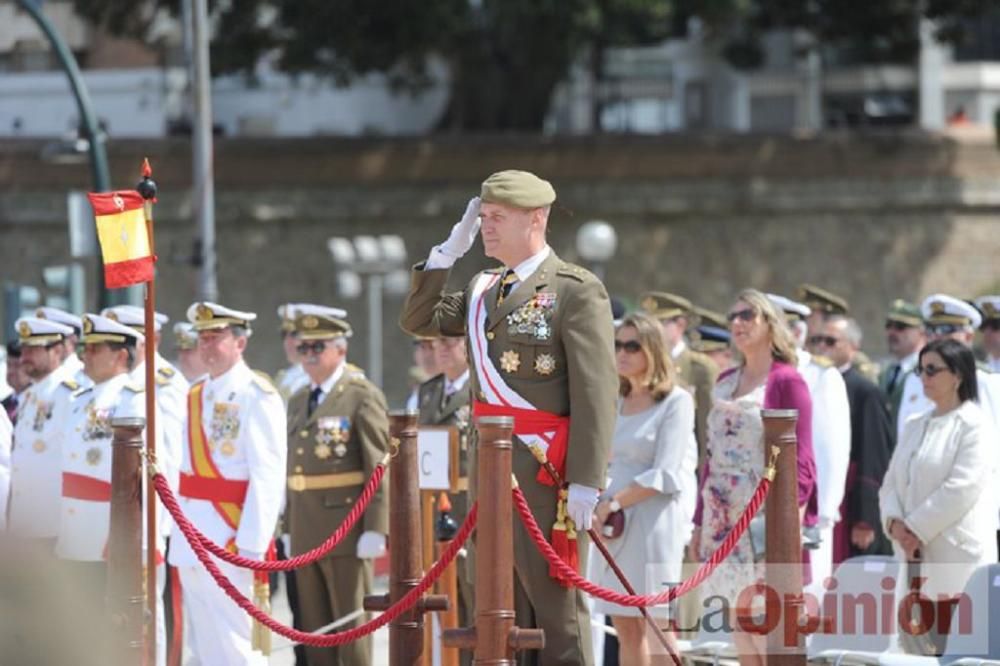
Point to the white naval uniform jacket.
(940, 483)
(915, 402)
(831, 433)
(244, 423)
(36, 481)
(84, 524)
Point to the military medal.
(225, 421)
(93, 456)
(227, 448)
(322, 451)
(510, 361)
(340, 450)
(545, 364)
(43, 412)
(38, 446)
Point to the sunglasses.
(630, 346)
(896, 326)
(746, 315)
(942, 329)
(930, 369)
(315, 347)
(828, 340)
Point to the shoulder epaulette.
(822, 361)
(134, 387)
(572, 271)
(80, 391)
(71, 384)
(354, 372)
(263, 382)
(167, 371)
(162, 380)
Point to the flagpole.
(147, 189)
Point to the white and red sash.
(535, 427)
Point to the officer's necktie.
(893, 377)
(314, 397)
(506, 285)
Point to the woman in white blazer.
(937, 498)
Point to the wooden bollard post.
(124, 582)
(494, 637)
(785, 645)
(406, 632)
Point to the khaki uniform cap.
(320, 327)
(521, 189)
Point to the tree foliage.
(506, 57)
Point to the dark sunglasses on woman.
(930, 369)
(630, 346)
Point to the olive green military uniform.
(331, 456)
(566, 369)
(437, 408)
(827, 303)
(695, 371)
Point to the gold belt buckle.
(297, 483)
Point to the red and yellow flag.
(121, 229)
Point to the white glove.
(251, 554)
(463, 235)
(371, 545)
(580, 504)
(825, 522)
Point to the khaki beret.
(521, 189)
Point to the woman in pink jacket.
(766, 379)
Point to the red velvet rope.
(371, 486)
(321, 640)
(668, 595)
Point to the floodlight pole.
(375, 281)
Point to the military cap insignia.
(545, 364)
(310, 322)
(24, 330)
(204, 313)
(510, 361)
(88, 326)
(113, 316)
(648, 304)
(937, 307)
(93, 456)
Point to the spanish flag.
(121, 229)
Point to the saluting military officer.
(446, 399)
(186, 347)
(38, 433)
(541, 341)
(338, 431)
(695, 370)
(232, 480)
(71, 359)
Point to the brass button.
(298, 469)
(490, 335)
(303, 434)
(300, 451)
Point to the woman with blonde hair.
(766, 378)
(652, 471)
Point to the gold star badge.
(510, 361)
(545, 364)
(322, 451)
(93, 456)
(24, 330)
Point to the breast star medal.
(545, 364)
(93, 456)
(227, 448)
(38, 446)
(322, 451)
(510, 361)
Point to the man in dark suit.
(859, 531)
(338, 430)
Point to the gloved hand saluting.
(462, 236)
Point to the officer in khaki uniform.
(541, 339)
(822, 304)
(338, 430)
(445, 399)
(695, 370)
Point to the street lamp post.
(596, 242)
(375, 260)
